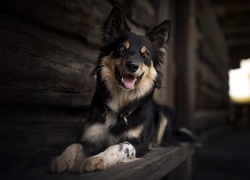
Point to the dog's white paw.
(61, 164)
(95, 163)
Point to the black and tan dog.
(123, 120)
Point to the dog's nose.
(132, 66)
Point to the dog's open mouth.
(128, 81)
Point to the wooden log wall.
(202, 65)
(212, 65)
(47, 52)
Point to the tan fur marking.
(95, 132)
(143, 50)
(134, 133)
(147, 82)
(127, 45)
(98, 132)
(162, 127)
(157, 140)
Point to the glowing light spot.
(239, 82)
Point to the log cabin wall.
(202, 67)
(47, 52)
(212, 101)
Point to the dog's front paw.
(95, 163)
(61, 164)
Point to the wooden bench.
(167, 162)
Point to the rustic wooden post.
(185, 61)
(164, 10)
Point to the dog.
(124, 122)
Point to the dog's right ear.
(115, 25)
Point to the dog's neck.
(123, 114)
(121, 101)
(119, 98)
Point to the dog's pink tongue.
(129, 81)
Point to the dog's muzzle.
(128, 81)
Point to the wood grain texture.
(153, 165)
(73, 17)
(34, 135)
(208, 119)
(42, 67)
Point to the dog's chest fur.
(120, 99)
(100, 133)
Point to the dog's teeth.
(122, 79)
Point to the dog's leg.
(66, 161)
(113, 155)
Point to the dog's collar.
(124, 115)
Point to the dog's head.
(128, 61)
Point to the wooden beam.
(236, 30)
(63, 16)
(211, 60)
(210, 99)
(70, 16)
(206, 75)
(44, 67)
(166, 94)
(236, 19)
(239, 52)
(238, 41)
(222, 2)
(208, 119)
(185, 41)
(154, 165)
(233, 7)
(208, 23)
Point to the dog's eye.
(122, 49)
(145, 54)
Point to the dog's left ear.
(115, 25)
(159, 35)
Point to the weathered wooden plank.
(141, 13)
(206, 75)
(212, 91)
(31, 135)
(153, 165)
(209, 57)
(79, 18)
(208, 119)
(209, 98)
(212, 71)
(208, 23)
(43, 67)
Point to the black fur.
(116, 32)
(124, 121)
